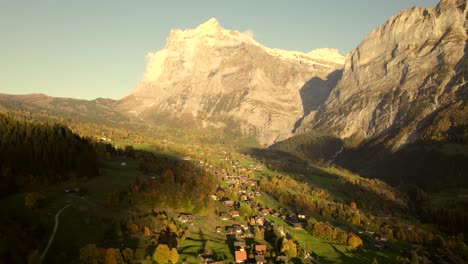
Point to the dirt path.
(51, 239)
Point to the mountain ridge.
(393, 82)
(221, 78)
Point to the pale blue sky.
(89, 49)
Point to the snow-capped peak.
(327, 54)
(210, 27)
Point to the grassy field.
(452, 199)
(202, 237)
(88, 219)
(331, 252)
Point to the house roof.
(234, 212)
(297, 225)
(241, 256)
(260, 248)
(239, 244)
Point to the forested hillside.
(41, 153)
(312, 145)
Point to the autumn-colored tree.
(111, 257)
(33, 200)
(259, 235)
(147, 231)
(89, 254)
(245, 211)
(354, 241)
(172, 227)
(162, 254)
(174, 257)
(355, 219)
(289, 248)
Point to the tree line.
(41, 153)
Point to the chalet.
(260, 249)
(260, 221)
(293, 218)
(221, 191)
(301, 216)
(383, 238)
(241, 256)
(229, 203)
(225, 216)
(73, 191)
(231, 231)
(281, 231)
(282, 259)
(238, 228)
(239, 245)
(184, 218)
(297, 225)
(260, 259)
(206, 259)
(234, 213)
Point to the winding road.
(51, 239)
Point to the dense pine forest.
(33, 153)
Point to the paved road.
(51, 239)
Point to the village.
(250, 233)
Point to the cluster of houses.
(241, 255)
(245, 189)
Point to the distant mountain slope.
(99, 111)
(406, 80)
(313, 146)
(210, 76)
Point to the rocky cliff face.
(213, 77)
(406, 79)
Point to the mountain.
(401, 104)
(213, 77)
(406, 80)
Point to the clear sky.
(89, 49)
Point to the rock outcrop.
(407, 79)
